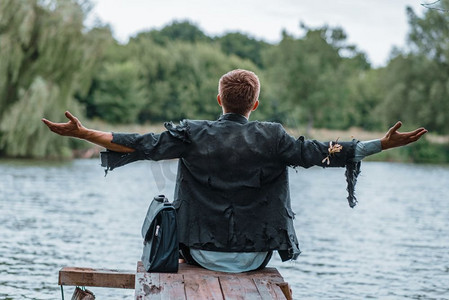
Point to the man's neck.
(230, 112)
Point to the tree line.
(51, 62)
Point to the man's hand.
(72, 128)
(394, 138)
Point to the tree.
(176, 31)
(119, 95)
(429, 35)
(365, 95)
(243, 46)
(46, 57)
(310, 76)
(416, 83)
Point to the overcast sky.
(375, 26)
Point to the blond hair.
(239, 90)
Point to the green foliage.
(46, 57)
(20, 135)
(364, 97)
(421, 152)
(405, 90)
(243, 46)
(176, 31)
(233, 43)
(416, 84)
(429, 35)
(144, 81)
(310, 76)
(119, 95)
(425, 152)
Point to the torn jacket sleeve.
(308, 153)
(169, 144)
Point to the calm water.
(393, 245)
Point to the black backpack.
(159, 231)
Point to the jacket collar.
(233, 117)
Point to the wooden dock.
(190, 282)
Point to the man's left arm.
(307, 153)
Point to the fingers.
(67, 114)
(411, 137)
(71, 117)
(393, 129)
(52, 126)
(58, 128)
(416, 131)
(47, 122)
(396, 126)
(50, 123)
(415, 134)
(419, 133)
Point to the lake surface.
(394, 244)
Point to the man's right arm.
(74, 128)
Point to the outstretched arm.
(307, 153)
(74, 128)
(393, 138)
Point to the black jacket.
(232, 191)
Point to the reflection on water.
(392, 245)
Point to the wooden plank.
(238, 288)
(158, 285)
(192, 282)
(96, 277)
(147, 286)
(268, 290)
(202, 287)
(172, 286)
(267, 273)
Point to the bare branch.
(429, 6)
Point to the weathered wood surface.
(197, 283)
(96, 277)
(189, 283)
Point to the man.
(232, 194)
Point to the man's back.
(232, 184)
(232, 188)
(232, 153)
